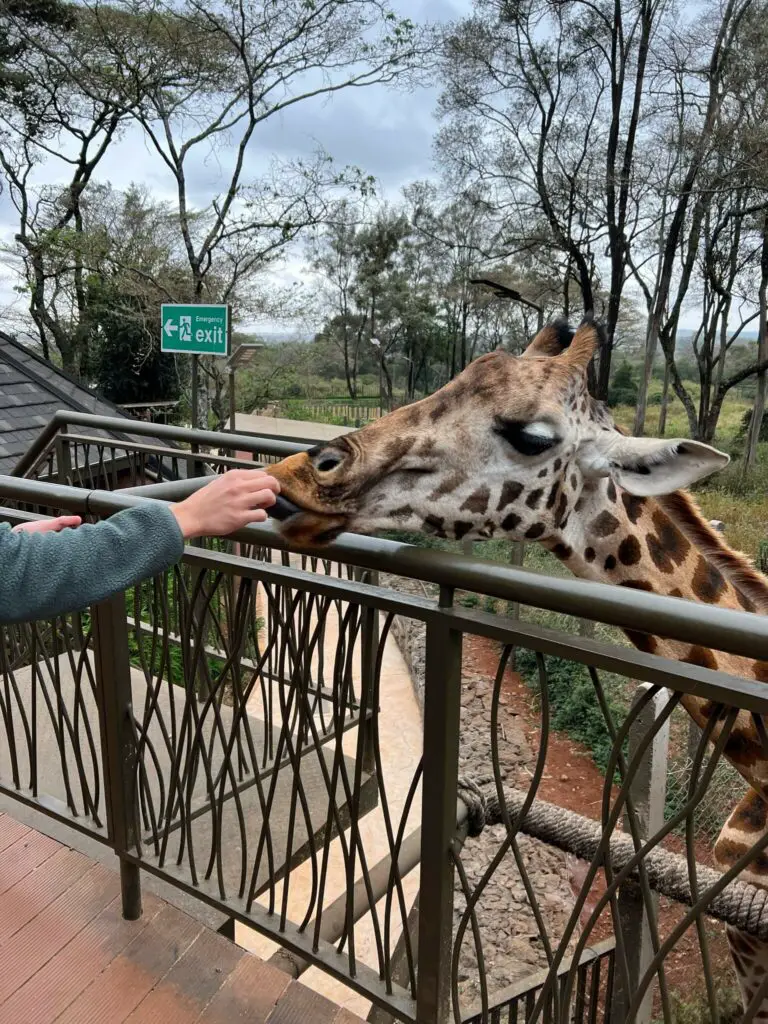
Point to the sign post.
(196, 330)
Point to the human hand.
(48, 525)
(230, 502)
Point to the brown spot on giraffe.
(633, 505)
(562, 551)
(642, 641)
(708, 583)
(604, 524)
(510, 522)
(447, 486)
(435, 525)
(589, 554)
(610, 563)
(461, 529)
(700, 656)
(535, 531)
(630, 551)
(533, 499)
(510, 491)
(477, 501)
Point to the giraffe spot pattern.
(461, 529)
(535, 531)
(511, 522)
(701, 656)
(642, 641)
(533, 499)
(630, 551)
(511, 491)
(589, 554)
(604, 525)
(477, 501)
(633, 505)
(435, 525)
(448, 486)
(562, 508)
(610, 562)
(667, 547)
(552, 496)
(562, 551)
(749, 816)
(637, 585)
(403, 512)
(708, 583)
(611, 492)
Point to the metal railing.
(221, 725)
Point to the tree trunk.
(664, 402)
(651, 344)
(750, 453)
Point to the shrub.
(623, 390)
(575, 709)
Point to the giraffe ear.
(648, 466)
(550, 341)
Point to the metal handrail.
(159, 431)
(737, 632)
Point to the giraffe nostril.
(327, 462)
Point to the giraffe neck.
(642, 544)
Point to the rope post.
(648, 789)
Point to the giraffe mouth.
(306, 528)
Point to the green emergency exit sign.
(201, 330)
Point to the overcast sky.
(386, 132)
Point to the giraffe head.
(506, 448)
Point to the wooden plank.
(25, 856)
(53, 988)
(11, 831)
(300, 1004)
(119, 989)
(25, 900)
(29, 949)
(249, 995)
(191, 983)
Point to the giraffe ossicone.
(517, 447)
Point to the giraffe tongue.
(282, 509)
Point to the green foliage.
(129, 366)
(695, 1009)
(574, 706)
(624, 387)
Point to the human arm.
(50, 571)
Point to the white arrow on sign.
(170, 327)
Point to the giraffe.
(517, 447)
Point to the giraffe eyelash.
(526, 438)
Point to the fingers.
(49, 525)
(262, 499)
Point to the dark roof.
(32, 390)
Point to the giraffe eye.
(526, 438)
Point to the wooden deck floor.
(67, 956)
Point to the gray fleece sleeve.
(46, 574)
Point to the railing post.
(369, 647)
(648, 789)
(118, 743)
(442, 707)
(63, 459)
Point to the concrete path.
(290, 429)
(400, 733)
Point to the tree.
(623, 388)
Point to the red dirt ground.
(573, 781)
